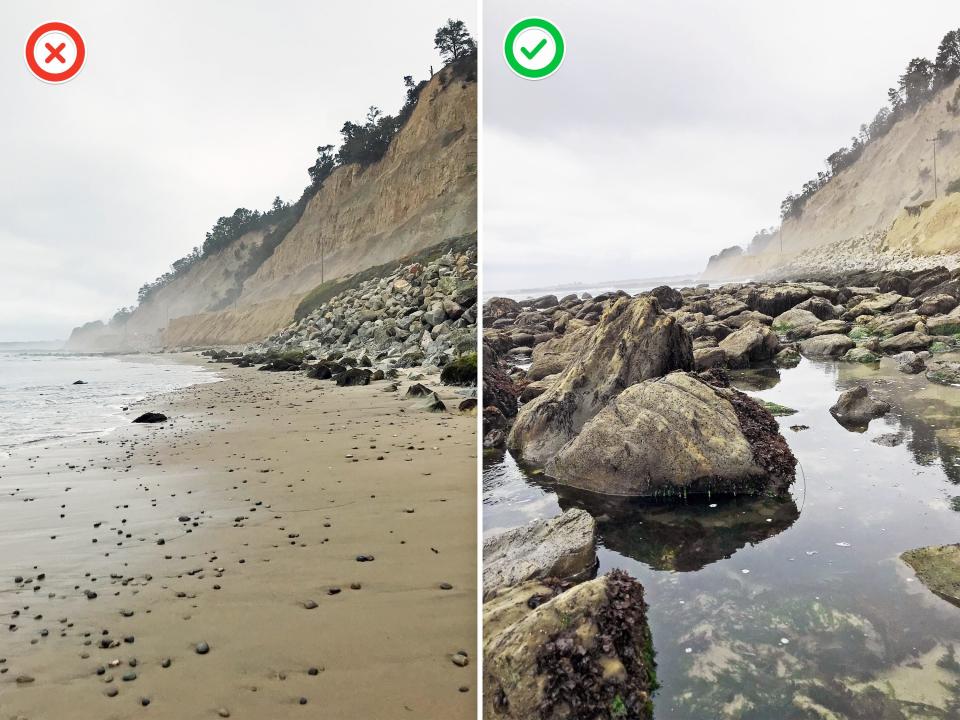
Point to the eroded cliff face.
(420, 193)
(894, 173)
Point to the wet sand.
(223, 526)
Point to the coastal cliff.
(889, 188)
(420, 193)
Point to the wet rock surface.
(855, 408)
(563, 547)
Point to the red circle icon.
(55, 52)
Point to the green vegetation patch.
(776, 409)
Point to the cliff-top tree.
(453, 41)
(948, 57)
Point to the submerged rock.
(633, 341)
(937, 567)
(586, 653)
(944, 372)
(676, 435)
(563, 547)
(855, 408)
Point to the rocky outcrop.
(564, 547)
(677, 435)
(553, 356)
(584, 653)
(417, 314)
(855, 408)
(634, 341)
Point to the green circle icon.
(533, 48)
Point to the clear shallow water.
(39, 402)
(768, 609)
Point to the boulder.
(751, 343)
(460, 371)
(633, 341)
(855, 408)
(876, 304)
(668, 298)
(432, 403)
(499, 307)
(777, 299)
(418, 390)
(906, 341)
(564, 547)
(151, 417)
(585, 653)
(724, 306)
(709, 357)
(910, 362)
(887, 325)
(826, 346)
(937, 304)
(738, 321)
(861, 355)
(677, 435)
(795, 323)
(354, 376)
(553, 356)
(831, 327)
(819, 306)
(948, 324)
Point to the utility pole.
(934, 141)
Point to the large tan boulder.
(564, 547)
(633, 341)
(586, 653)
(795, 323)
(677, 435)
(751, 343)
(555, 355)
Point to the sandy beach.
(320, 542)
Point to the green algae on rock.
(938, 568)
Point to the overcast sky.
(674, 128)
(183, 112)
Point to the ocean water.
(632, 287)
(39, 402)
